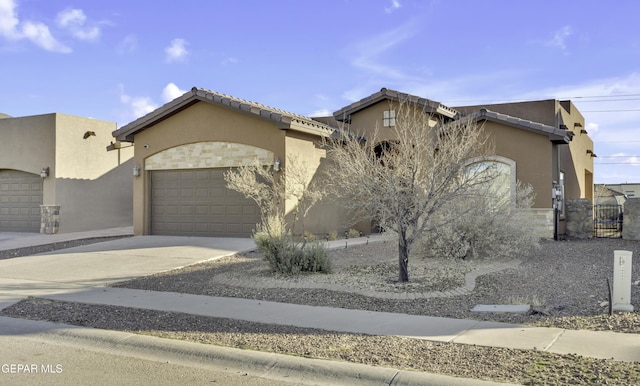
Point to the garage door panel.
(20, 200)
(201, 210)
(216, 210)
(206, 206)
(234, 210)
(201, 193)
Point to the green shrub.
(286, 256)
(333, 235)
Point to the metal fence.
(607, 221)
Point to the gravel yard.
(565, 282)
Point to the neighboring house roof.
(283, 119)
(555, 135)
(385, 94)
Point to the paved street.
(36, 361)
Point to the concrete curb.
(273, 366)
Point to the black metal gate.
(607, 220)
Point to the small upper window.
(389, 118)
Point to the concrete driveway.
(108, 262)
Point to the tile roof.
(384, 94)
(555, 134)
(285, 120)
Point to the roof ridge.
(384, 92)
(260, 105)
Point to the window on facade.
(389, 118)
(497, 181)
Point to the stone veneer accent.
(579, 213)
(631, 219)
(543, 222)
(49, 219)
(208, 155)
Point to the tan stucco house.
(184, 147)
(56, 175)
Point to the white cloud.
(369, 58)
(38, 33)
(229, 60)
(137, 106)
(321, 113)
(559, 38)
(177, 50)
(171, 92)
(74, 20)
(8, 19)
(128, 44)
(592, 127)
(395, 4)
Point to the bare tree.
(404, 179)
(270, 190)
(274, 237)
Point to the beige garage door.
(20, 200)
(197, 203)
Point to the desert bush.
(333, 235)
(476, 228)
(352, 233)
(283, 254)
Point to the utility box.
(622, 281)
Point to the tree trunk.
(403, 258)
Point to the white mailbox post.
(622, 281)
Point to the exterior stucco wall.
(200, 123)
(543, 111)
(309, 154)
(93, 185)
(87, 182)
(367, 121)
(29, 144)
(532, 154)
(575, 162)
(98, 203)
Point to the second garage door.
(197, 203)
(20, 199)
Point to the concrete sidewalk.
(604, 345)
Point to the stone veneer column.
(631, 219)
(579, 214)
(49, 219)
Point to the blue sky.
(117, 60)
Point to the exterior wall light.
(276, 165)
(44, 173)
(136, 171)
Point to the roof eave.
(555, 135)
(282, 119)
(126, 133)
